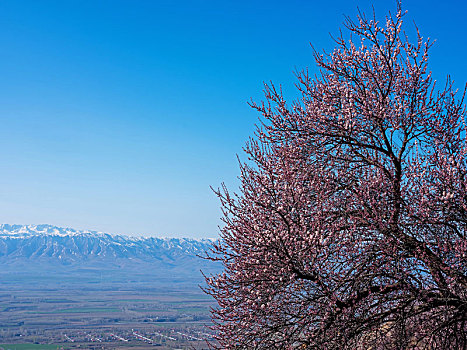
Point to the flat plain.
(92, 310)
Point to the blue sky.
(119, 115)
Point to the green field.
(194, 309)
(79, 310)
(29, 347)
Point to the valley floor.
(92, 314)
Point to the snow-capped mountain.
(67, 246)
(23, 231)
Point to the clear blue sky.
(118, 115)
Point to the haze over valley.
(65, 286)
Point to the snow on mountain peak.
(23, 231)
(67, 244)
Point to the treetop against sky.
(119, 115)
(349, 228)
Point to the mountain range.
(47, 250)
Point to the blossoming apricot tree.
(350, 228)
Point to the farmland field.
(27, 346)
(114, 314)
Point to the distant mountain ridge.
(22, 231)
(66, 246)
(16, 230)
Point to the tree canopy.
(349, 230)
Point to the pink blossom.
(349, 231)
